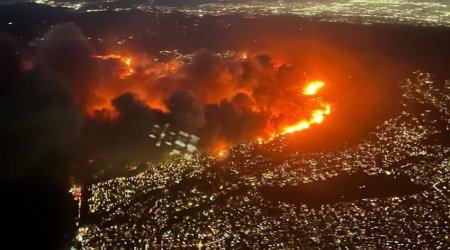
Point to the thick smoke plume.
(105, 103)
(222, 99)
(40, 132)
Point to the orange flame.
(288, 122)
(127, 62)
(222, 153)
(317, 116)
(313, 87)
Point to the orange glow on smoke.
(221, 153)
(317, 115)
(107, 90)
(127, 62)
(286, 108)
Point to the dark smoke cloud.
(9, 63)
(125, 138)
(186, 111)
(227, 100)
(39, 134)
(231, 122)
(67, 51)
(223, 100)
(243, 102)
(135, 117)
(208, 76)
(40, 123)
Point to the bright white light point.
(313, 87)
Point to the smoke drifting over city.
(116, 94)
(110, 104)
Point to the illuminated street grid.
(431, 12)
(216, 203)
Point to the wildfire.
(222, 153)
(317, 115)
(313, 87)
(126, 61)
(243, 55)
(154, 82)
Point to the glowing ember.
(260, 140)
(243, 56)
(313, 87)
(221, 154)
(127, 62)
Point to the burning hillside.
(228, 96)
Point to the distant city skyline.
(430, 13)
